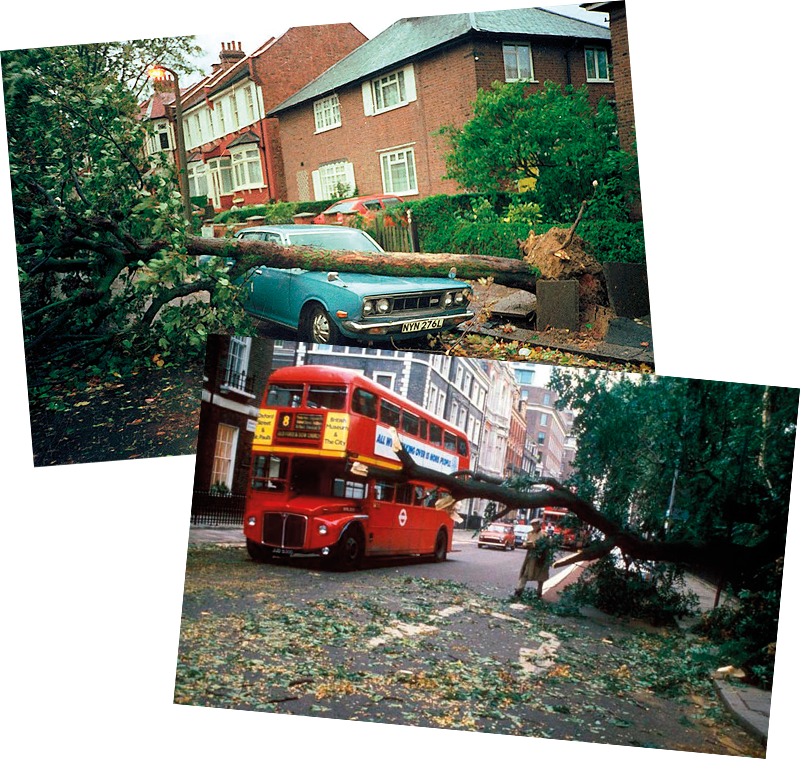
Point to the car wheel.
(350, 549)
(479, 545)
(258, 552)
(440, 550)
(317, 326)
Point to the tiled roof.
(244, 139)
(410, 37)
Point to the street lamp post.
(160, 71)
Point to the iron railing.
(210, 508)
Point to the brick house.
(631, 23)
(370, 120)
(232, 146)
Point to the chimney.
(231, 53)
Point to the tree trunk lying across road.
(718, 556)
(511, 272)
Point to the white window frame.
(326, 180)
(374, 90)
(224, 455)
(518, 47)
(593, 54)
(396, 157)
(377, 376)
(196, 172)
(327, 115)
(217, 170)
(238, 361)
(243, 159)
(543, 418)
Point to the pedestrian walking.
(536, 566)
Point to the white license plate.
(423, 324)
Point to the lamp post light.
(159, 72)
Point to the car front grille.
(284, 530)
(416, 303)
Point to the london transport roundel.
(402, 517)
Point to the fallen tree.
(511, 272)
(717, 556)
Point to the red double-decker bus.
(319, 430)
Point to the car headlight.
(323, 529)
(368, 307)
(459, 298)
(383, 305)
(448, 300)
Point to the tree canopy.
(99, 231)
(553, 134)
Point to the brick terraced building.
(370, 121)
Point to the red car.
(364, 205)
(497, 535)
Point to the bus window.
(384, 491)
(306, 476)
(349, 489)
(403, 493)
(269, 473)
(423, 429)
(285, 395)
(449, 441)
(436, 434)
(419, 495)
(365, 403)
(410, 423)
(462, 446)
(390, 414)
(331, 397)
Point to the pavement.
(748, 705)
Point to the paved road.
(488, 570)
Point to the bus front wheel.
(440, 550)
(350, 549)
(258, 552)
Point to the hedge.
(443, 226)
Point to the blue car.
(325, 307)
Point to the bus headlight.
(383, 305)
(323, 529)
(251, 521)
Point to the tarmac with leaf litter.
(385, 646)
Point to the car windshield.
(344, 207)
(344, 239)
(497, 528)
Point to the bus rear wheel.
(258, 552)
(440, 549)
(350, 549)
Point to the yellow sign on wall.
(526, 185)
(265, 428)
(336, 428)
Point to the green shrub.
(654, 595)
(490, 224)
(747, 629)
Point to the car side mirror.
(333, 276)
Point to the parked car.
(325, 306)
(520, 533)
(364, 205)
(497, 535)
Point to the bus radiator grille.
(284, 530)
